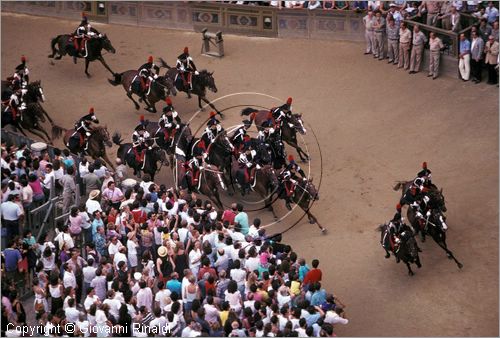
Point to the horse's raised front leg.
(211, 105)
(450, 254)
(107, 160)
(105, 65)
(313, 220)
(129, 95)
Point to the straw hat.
(162, 251)
(137, 275)
(94, 194)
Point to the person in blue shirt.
(303, 269)
(464, 58)
(241, 219)
(318, 297)
(12, 256)
(97, 222)
(174, 285)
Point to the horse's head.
(35, 91)
(409, 241)
(311, 189)
(298, 124)
(269, 171)
(160, 155)
(439, 219)
(168, 84)
(37, 110)
(208, 79)
(106, 44)
(437, 200)
(103, 136)
(223, 142)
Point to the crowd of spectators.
(142, 259)
(388, 36)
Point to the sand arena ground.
(374, 124)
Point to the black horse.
(94, 47)
(289, 127)
(29, 120)
(200, 83)
(152, 156)
(407, 250)
(160, 88)
(434, 226)
(304, 196)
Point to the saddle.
(139, 156)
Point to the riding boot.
(189, 93)
(387, 255)
(422, 236)
(74, 59)
(287, 204)
(397, 259)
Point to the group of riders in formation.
(420, 198)
(240, 142)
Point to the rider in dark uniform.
(195, 165)
(283, 111)
(289, 179)
(169, 120)
(240, 136)
(141, 140)
(84, 126)
(247, 163)
(147, 73)
(186, 67)
(426, 175)
(20, 78)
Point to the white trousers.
(464, 67)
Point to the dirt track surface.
(374, 124)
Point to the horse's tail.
(248, 111)
(164, 64)
(53, 43)
(399, 185)
(57, 131)
(117, 79)
(117, 139)
(380, 227)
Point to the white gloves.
(196, 72)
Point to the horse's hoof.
(311, 222)
(88, 75)
(410, 273)
(323, 231)
(448, 255)
(460, 265)
(137, 107)
(50, 56)
(140, 99)
(222, 116)
(387, 256)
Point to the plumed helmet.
(168, 101)
(291, 159)
(91, 110)
(186, 50)
(150, 59)
(212, 114)
(23, 58)
(289, 101)
(424, 165)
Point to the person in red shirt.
(314, 275)
(230, 214)
(139, 215)
(206, 268)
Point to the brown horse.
(288, 127)
(209, 180)
(98, 140)
(265, 183)
(159, 89)
(28, 121)
(199, 82)
(436, 195)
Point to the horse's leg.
(211, 105)
(129, 95)
(199, 103)
(449, 253)
(410, 272)
(419, 265)
(106, 158)
(87, 62)
(105, 64)
(313, 219)
(268, 204)
(47, 115)
(293, 143)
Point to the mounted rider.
(240, 136)
(83, 32)
(288, 179)
(268, 134)
(394, 227)
(169, 121)
(141, 141)
(15, 104)
(186, 67)
(83, 127)
(195, 164)
(213, 129)
(426, 175)
(282, 112)
(247, 162)
(20, 78)
(148, 72)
